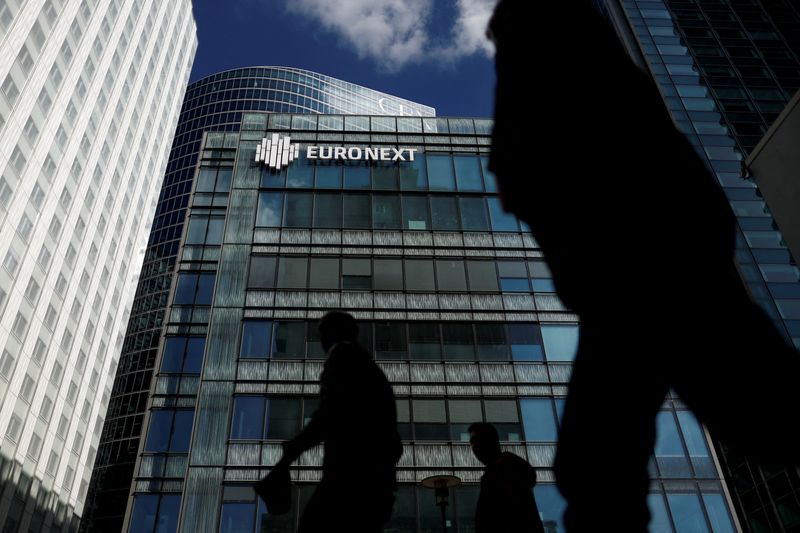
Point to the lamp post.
(441, 486)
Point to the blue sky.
(428, 51)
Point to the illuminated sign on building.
(279, 152)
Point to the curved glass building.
(216, 103)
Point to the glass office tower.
(453, 299)
(216, 102)
(88, 91)
(726, 70)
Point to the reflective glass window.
(283, 418)
(444, 213)
(501, 221)
(687, 513)
(357, 211)
(270, 210)
(538, 419)
(525, 342)
(415, 213)
(386, 212)
(669, 449)
(413, 174)
(440, 173)
(329, 176)
(256, 338)
(457, 341)
(491, 342)
(324, 273)
(450, 275)
(289, 340)
(328, 210)
(390, 340)
(424, 341)
(482, 276)
(356, 176)
(262, 272)
(292, 272)
(659, 519)
(560, 341)
(388, 274)
(419, 275)
(384, 176)
(473, 214)
(298, 210)
(248, 417)
(301, 172)
(468, 173)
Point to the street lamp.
(441, 486)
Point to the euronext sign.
(279, 152)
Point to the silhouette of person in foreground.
(640, 240)
(506, 503)
(357, 421)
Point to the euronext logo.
(277, 152)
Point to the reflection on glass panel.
(404, 514)
(551, 507)
(182, 431)
(430, 420)
(356, 176)
(390, 340)
(158, 433)
(501, 221)
(206, 179)
(328, 210)
(489, 179)
(560, 341)
(415, 213)
(185, 289)
(283, 418)
(224, 180)
(450, 275)
(414, 174)
(193, 361)
(205, 289)
(292, 273)
(329, 176)
(172, 358)
(386, 212)
(357, 211)
(196, 234)
(468, 173)
(466, 499)
(482, 276)
(669, 449)
(216, 226)
(237, 518)
(423, 340)
(419, 275)
(262, 272)
(388, 274)
(687, 514)
(384, 176)
(659, 519)
(167, 521)
(143, 515)
(273, 179)
(538, 419)
(513, 276)
(301, 172)
(458, 342)
(491, 341)
(248, 417)
(720, 518)
(473, 214)
(324, 273)
(313, 345)
(696, 445)
(440, 173)
(270, 209)
(298, 210)
(256, 339)
(444, 213)
(525, 343)
(289, 340)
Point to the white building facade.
(88, 91)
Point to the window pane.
(298, 210)
(356, 274)
(525, 343)
(224, 180)
(328, 210)
(205, 289)
(196, 234)
(215, 230)
(313, 345)
(172, 359)
(270, 207)
(551, 506)
(248, 417)
(301, 172)
(468, 173)
(193, 361)
(237, 518)
(262, 272)
(404, 513)
(386, 212)
(450, 275)
(415, 213)
(185, 289)
(413, 174)
(324, 273)
(659, 519)
(289, 339)
(384, 176)
(669, 450)
(388, 274)
(501, 221)
(329, 176)
(292, 273)
(181, 431)
(489, 179)
(424, 342)
(482, 276)
(357, 210)
(444, 214)
(687, 513)
(560, 341)
(143, 515)
(473, 214)
(718, 513)
(440, 173)
(206, 179)
(255, 339)
(419, 275)
(390, 340)
(283, 419)
(159, 432)
(538, 419)
(273, 179)
(491, 341)
(356, 176)
(458, 342)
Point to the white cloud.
(395, 33)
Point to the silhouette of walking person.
(640, 240)
(357, 421)
(506, 503)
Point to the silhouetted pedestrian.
(357, 421)
(640, 239)
(506, 503)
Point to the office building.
(88, 91)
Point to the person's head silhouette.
(337, 326)
(485, 442)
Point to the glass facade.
(726, 70)
(217, 103)
(88, 91)
(453, 299)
